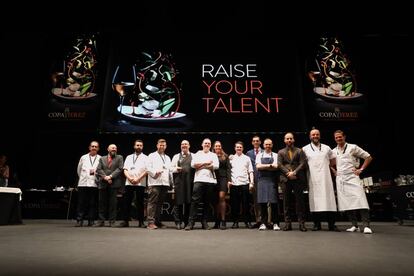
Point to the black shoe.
(223, 225)
(256, 225)
(334, 229)
(235, 225)
(91, 223)
(317, 227)
(99, 224)
(190, 226)
(79, 223)
(141, 224)
(204, 225)
(216, 224)
(248, 225)
(287, 227)
(302, 227)
(124, 224)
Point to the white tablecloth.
(11, 191)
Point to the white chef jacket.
(159, 162)
(136, 165)
(351, 195)
(241, 166)
(205, 175)
(86, 166)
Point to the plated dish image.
(335, 95)
(130, 112)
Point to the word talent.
(235, 88)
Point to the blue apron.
(266, 184)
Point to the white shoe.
(367, 230)
(262, 227)
(353, 229)
(276, 227)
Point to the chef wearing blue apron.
(267, 192)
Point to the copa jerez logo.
(338, 115)
(66, 115)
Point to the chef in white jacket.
(204, 162)
(351, 195)
(159, 181)
(321, 191)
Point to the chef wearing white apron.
(351, 195)
(321, 191)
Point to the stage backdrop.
(207, 85)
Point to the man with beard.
(351, 195)
(135, 171)
(292, 164)
(87, 188)
(110, 181)
(321, 191)
(159, 182)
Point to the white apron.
(321, 192)
(351, 194)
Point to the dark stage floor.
(55, 247)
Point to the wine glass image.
(123, 83)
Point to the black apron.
(183, 181)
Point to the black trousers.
(108, 203)
(87, 203)
(353, 216)
(297, 187)
(324, 216)
(202, 192)
(182, 213)
(240, 195)
(132, 192)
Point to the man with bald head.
(321, 191)
(109, 175)
(204, 162)
(183, 176)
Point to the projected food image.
(77, 79)
(332, 77)
(156, 94)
